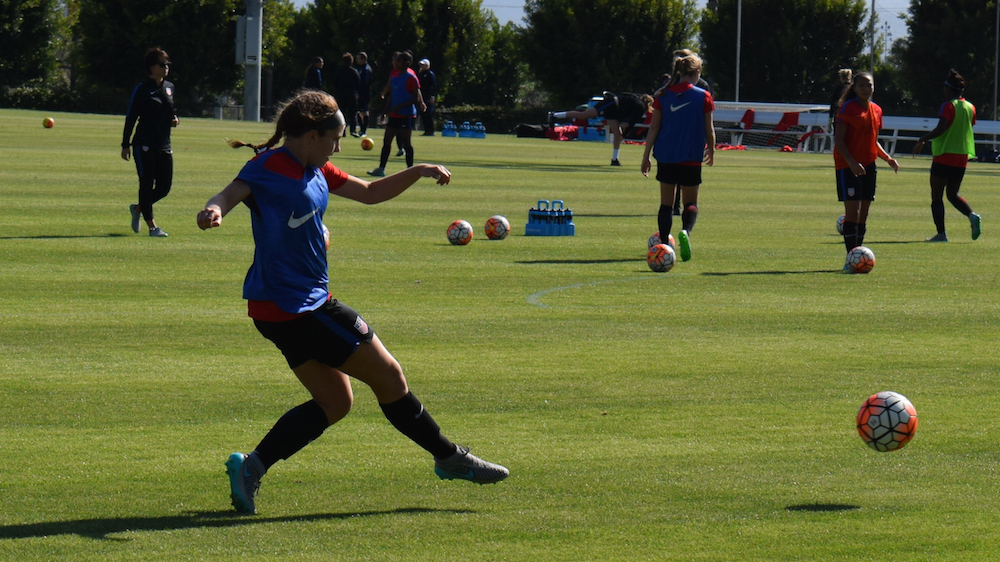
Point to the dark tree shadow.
(99, 529)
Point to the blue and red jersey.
(287, 204)
(403, 86)
(682, 124)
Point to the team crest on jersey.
(360, 326)
(170, 91)
(850, 192)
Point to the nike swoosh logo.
(420, 413)
(469, 474)
(674, 108)
(297, 222)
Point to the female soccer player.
(684, 138)
(953, 145)
(152, 105)
(324, 341)
(856, 146)
(402, 95)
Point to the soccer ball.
(460, 233)
(860, 260)
(661, 258)
(497, 227)
(49, 122)
(326, 236)
(840, 224)
(367, 143)
(655, 239)
(887, 421)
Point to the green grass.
(702, 414)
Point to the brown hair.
(309, 110)
(849, 92)
(152, 57)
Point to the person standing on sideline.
(152, 105)
(314, 75)
(681, 136)
(953, 144)
(402, 95)
(364, 90)
(346, 82)
(324, 341)
(621, 112)
(428, 88)
(855, 149)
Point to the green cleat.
(685, 241)
(976, 221)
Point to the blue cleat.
(976, 221)
(243, 483)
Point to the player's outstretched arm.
(388, 187)
(221, 203)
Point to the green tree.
(791, 49)
(199, 35)
(945, 34)
(577, 48)
(27, 40)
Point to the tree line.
(85, 55)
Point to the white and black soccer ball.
(460, 233)
(497, 227)
(887, 421)
(840, 224)
(860, 260)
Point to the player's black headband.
(948, 83)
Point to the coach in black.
(152, 105)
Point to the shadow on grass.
(773, 272)
(64, 236)
(580, 262)
(822, 507)
(99, 529)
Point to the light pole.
(739, 35)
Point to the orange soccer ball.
(49, 122)
(887, 421)
(860, 260)
(460, 233)
(367, 143)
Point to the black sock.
(294, 430)
(937, 213)
(688, 217)
(411, 419)
(850, 235)
(677, 198)
(861, 235)
(364, 124)
(409, 156)
(665, 220)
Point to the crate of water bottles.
(449, 129)
(550, 220)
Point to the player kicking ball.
(324, 341)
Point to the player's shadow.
(822, 507)
(64, 236)
(772, 272)
(100, 529)
(577, 262)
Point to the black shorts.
(631, 109)
(677, 174)
(608, 107)
(948, 173)
(856, 188)
(329, 334)
(400, 122)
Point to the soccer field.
(702, 414)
